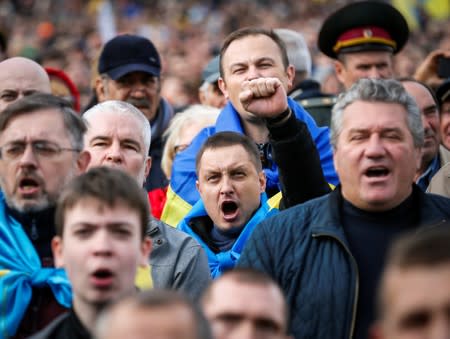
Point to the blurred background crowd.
(68, 35)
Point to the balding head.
(20, 77)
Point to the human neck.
(87, 314)
(258, 132)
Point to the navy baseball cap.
(211, 72)
(129, 53)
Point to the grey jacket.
(178, 261)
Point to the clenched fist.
(264, 97)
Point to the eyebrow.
(109, 225)
(107, 138)
(259, 60)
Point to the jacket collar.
(329, 213)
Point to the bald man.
(20, 77)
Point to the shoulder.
(52, 328)
(295, 222)
(162, 233)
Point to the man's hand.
(427, 71)
(264, 97)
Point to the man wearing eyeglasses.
(41, 139)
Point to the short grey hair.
(378, 90)
(123, 108)
(297, 50)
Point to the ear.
(146, 248)
(83, 161)
(340, 70)
(148, 166)
(57, 249)
(290, 71)
(100, 89)
(197, 185)
(223, 87)
(262, 181)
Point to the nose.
(375, 147)
(374, 73)
(227, 186)
(138, 89)
(425, 122)
(253, 73)
(114, 153)
(102, 244)
(246, 330)
(28, 158)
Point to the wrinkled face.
(375, 64)
(137, 88)
(430, 119)
(445, 124)
(417, 303)
(239, 310)
(156, 322)
(32, 181)
(375, 156)
(116, 140)
(251, 57)
(100, 249)
(230, 186)
(18, 79)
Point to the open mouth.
(229, 210)
(28, 185)
(102, 278)
(376, 172)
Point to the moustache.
(29, 175)
(139, 103)
(428, 132)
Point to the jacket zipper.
(355, 302)
(34, 235)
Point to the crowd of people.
(187, 170)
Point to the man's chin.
(29, 206)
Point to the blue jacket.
(182, 193)
(305, 250)
(224, 261)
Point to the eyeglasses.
(41, 149)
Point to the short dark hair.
(251, 31)
(226, 139)
(107, 185)
(155, 298)
(428, 247)
(249, 276)
(73, 123)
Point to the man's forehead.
(101, 208)
(264, 42)
(107, 122)
(233, 295)
(38, 123)
(228, 156)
